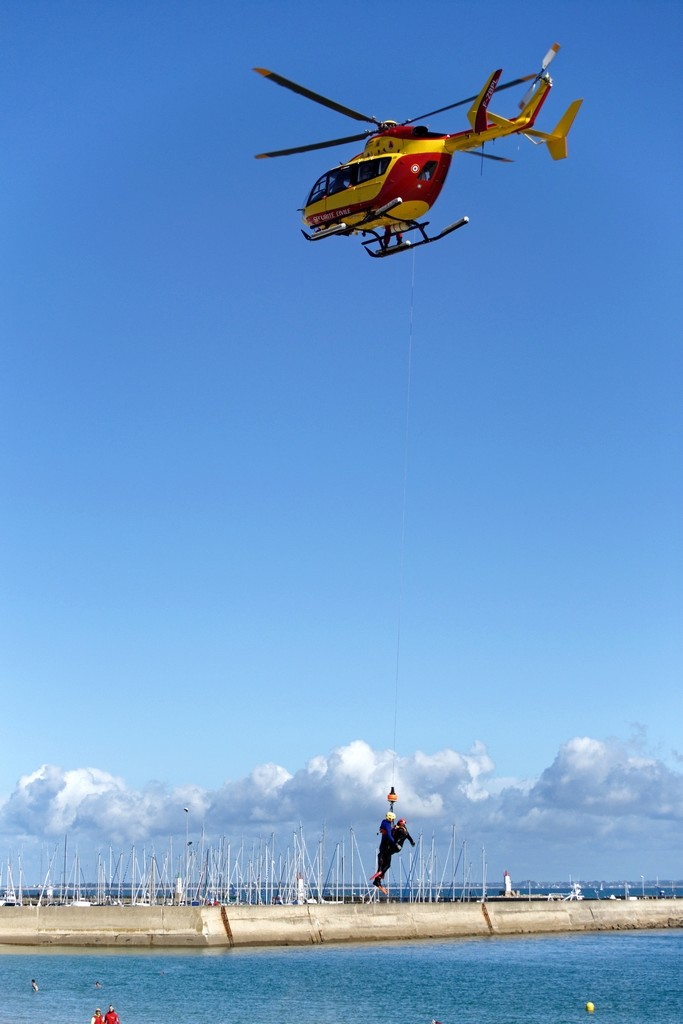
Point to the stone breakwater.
(313, 923)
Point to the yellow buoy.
(590, 1007)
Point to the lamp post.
(187, 846)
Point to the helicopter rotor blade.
(550, 55)
(315, 145)
(470, 99)
(487, 156)
(286, 83)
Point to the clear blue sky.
(204, 423)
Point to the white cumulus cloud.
(602, 808)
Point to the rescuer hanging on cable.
(387, 847)
(387, 843)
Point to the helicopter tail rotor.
(550, 55)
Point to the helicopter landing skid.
(384, 248)
(335, 229)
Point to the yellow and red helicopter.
(385, 190)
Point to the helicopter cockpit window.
(319, 190)
(343, 177)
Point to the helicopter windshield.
(347, 176)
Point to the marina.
(225, 896)
(264, 872)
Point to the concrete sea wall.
(312, 923)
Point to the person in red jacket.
(111, 1016)
(400, 833)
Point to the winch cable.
(406, 446)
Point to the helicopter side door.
(346, 188)
(357, 184)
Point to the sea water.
(629, 977)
